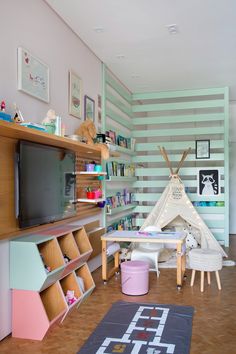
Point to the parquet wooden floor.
(214, 323)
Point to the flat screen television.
(45, 183)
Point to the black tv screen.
(46, 184)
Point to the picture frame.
(32, 75)
(89, 108)
(112, 135)
(75, 95)
(208, 182)
(99, 101)
(202, 149)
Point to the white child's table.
(177, 238)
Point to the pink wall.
(34, 26)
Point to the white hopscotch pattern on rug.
(137, 343)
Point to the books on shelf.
(114, 168)
(125, 223)
(120, 140)
(120, 199)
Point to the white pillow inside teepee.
(148, 245)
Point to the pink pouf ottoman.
(135, 277)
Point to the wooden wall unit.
(10, 134)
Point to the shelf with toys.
(48, 277)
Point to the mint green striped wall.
(175, 120)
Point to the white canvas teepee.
(175, 203)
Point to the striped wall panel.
(117, 112)
(176, 120)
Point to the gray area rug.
(133, 328)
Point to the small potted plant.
(90, 193)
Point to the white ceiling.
(202, 54)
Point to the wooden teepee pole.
(185, 153)
(164, 154)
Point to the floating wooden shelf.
(88, 173)
(121, 179)
(119, 209)
(86, 200)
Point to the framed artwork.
(208, 182)
(99, 101)
(32, 75)
(99, 110)
(75, 94)
(202, 149)
(89, 108)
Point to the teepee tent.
(174, 203)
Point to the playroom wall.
(35, 26)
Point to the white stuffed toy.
(191, 242)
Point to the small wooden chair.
(205, 260)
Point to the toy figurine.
(50, 117)
(18, 118)
(70, 297)
(66, 258)
(3, 106)
(46, 267)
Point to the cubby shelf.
(39, 296)
(33, 313)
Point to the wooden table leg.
(104, 260)
(117, 259)
(179, 265)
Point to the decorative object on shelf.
(18, 118)
(101, 138)
(93, 194)
(3, 106)
(102, 204)
(90, 193)
(202, 149)
(74, 137)
(50, 121)
(33, 75)
(3, 115)
(89, 108)
(208, 182)
(98, 168)
(75, 94)
(88, 131)
(66, 258)
(70, 297)
(33, 126)
(90, 166)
